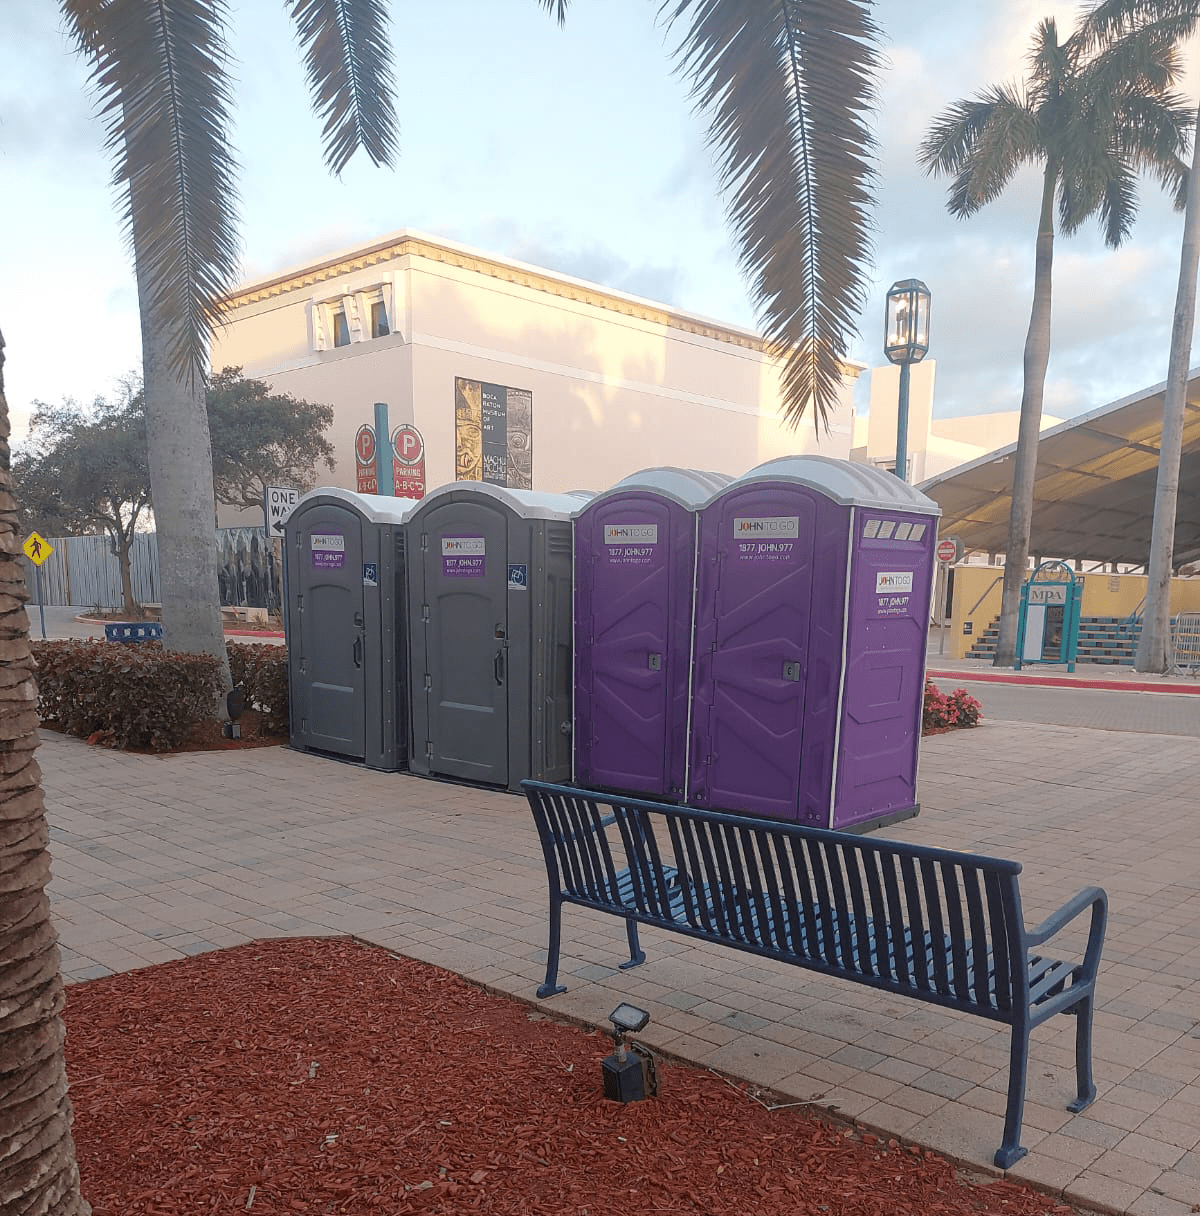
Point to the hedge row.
(262, 671)
(144, 696)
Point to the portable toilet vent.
(489, 592)
(344, 576)
(813, 587)
(635, 566)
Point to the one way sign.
(278, 502)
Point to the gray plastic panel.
(847, 482)
(691, 488)
(344, 621)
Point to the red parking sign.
(408, 444)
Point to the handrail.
(997, 579)
(1135, 615)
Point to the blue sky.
(574, 149)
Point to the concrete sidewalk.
(156, 858)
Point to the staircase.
(1102, 639)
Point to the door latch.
(791, 671)
(655, 662)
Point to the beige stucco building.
(571, 384)
(934, 444)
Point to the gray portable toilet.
(344, 579)
(635, 568)
(813, 585)
(489, 593)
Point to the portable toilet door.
(892, 562)
(344, 623)
(635, 562)
(490, 634)
(785, 687)
(771, 557)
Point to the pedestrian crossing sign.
(37, 548)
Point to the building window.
(341, 331)
(379, 320)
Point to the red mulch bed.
(326, 1076)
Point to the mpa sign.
(278, 502)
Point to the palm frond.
(85, 23)
(982, 141)
(1050, 61)
(559, 5)
(159, 67)
(787, 86)
(1141, 61)
(347, 56)
(1155, 136)
(1110, 19)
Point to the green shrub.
(127, 696)
(262, 671)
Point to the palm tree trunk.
(38, 1173)
(1154, 645)
(185, 512)
(1037, 359)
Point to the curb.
(989, 677)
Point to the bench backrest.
(897, 915)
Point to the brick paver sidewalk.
(157, 857)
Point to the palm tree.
(1176, 19)
(1092, 116)
(38, 1173)
(160, 68)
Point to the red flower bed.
(328, 1077)
(948, 711)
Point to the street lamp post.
(905, 341)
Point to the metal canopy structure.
(1093, 498)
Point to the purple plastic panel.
(634, 555)
(887, 626)
(769, 597)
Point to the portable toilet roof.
(528, 504)
(846, 482)
(377, 508)
(691, 488)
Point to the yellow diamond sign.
(37, 548)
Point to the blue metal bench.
(936, 925)
(122, 631)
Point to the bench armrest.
(1090, 897)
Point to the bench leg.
(636, 954)
(1010, 1151)
(551, 986)
(1083, 1056)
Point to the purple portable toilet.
(635, 561)
(813, 584)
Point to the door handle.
(358, 651)
(498, 666)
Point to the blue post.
(902, 424)
(385, 479)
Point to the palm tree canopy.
(787, 86)
(1095, 112)
(161, 69)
